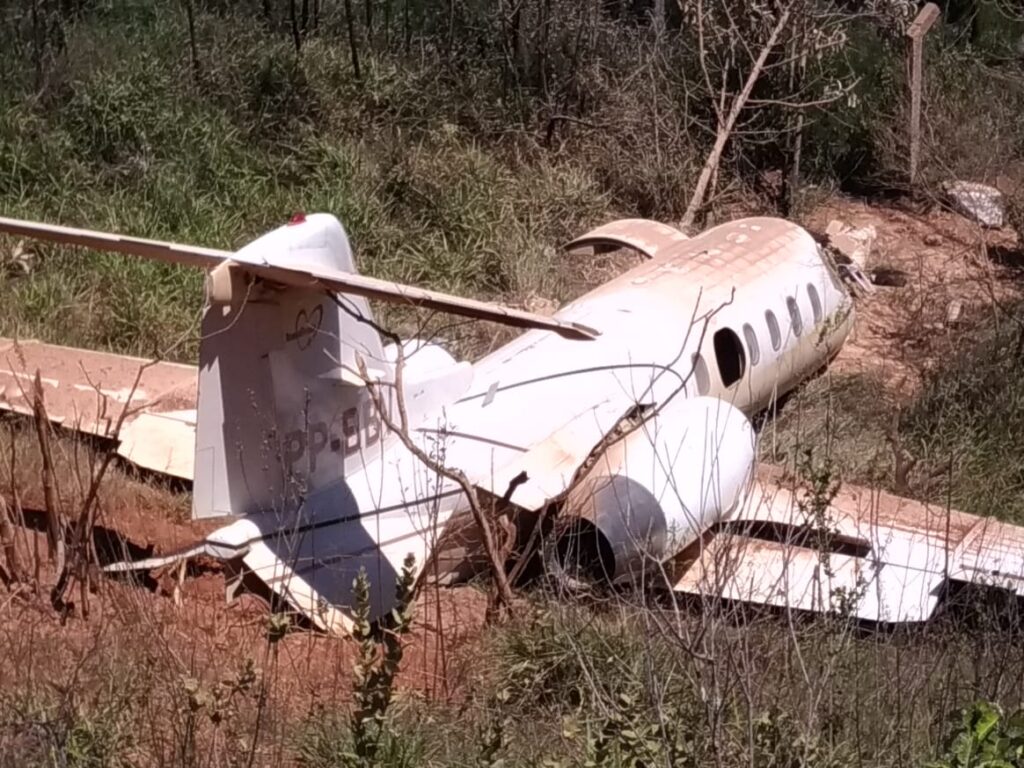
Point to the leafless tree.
(762, 71)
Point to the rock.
(980, 202)
(855, 243)
(540, 305)
(932, 240)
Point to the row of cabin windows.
(729, 352)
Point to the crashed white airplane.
(625, 416)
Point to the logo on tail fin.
(307, 325)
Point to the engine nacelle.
(656, 491)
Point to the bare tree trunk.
(407, 24)
(55, 35)
(268, 14)
(9, 545)
(516, 44)
(544, 12)
(294, 18)
(658, 19)
(368, 9)
(353, 44)
(791, 179)
(37, 44)
(18, 512)
(450, 42)
(725, 130)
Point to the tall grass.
(128, 142)
(954, 441)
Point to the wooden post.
(916, 32)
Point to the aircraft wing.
(875, 556)
(871, 555)
(88, 392)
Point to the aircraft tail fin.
(281, 402)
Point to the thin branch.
(503, 591)
(725, 130)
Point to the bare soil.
(902, 331)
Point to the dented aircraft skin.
(627, 412)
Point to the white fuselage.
(743, 312)
(740, 313)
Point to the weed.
(368, 738)
(969, 413)
(985, 738)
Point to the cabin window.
(751, 337)
(773, 330)
(700, 372)
(794, 316)
(732, 361)
(812, 294)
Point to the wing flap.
(784, 575)
(879, 556)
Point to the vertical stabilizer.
(280, 407)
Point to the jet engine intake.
(654, 492)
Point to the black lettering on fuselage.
(358, 428)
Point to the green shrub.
(985, 737)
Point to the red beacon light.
(298, 218)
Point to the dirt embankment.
(936, 264)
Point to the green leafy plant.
(985, 738)
(378, 664)
(367, 737)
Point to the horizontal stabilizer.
(172, 253)
(296, 276)
(310, 558)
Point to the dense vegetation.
(955, 442)
(460, 143)
(472, 140)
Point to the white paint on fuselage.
(654, 319)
